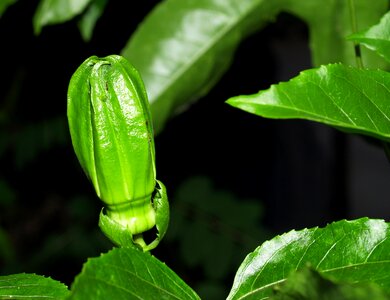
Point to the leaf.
(51, 12)
(183, 47)
(4, 4)
(376, 38)
(31, 286)
(350, 251)
(307, 284)
(126, 273)
(90, 17)
(329, 22)
(348, 98)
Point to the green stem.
(139, 239)
(358, 56)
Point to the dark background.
(300, 173)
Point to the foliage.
(348, 251)
(308, 284)
(199, 60)
(129, 274)
(31, 286)
(4, 5)
(198, 219)
(376, 37)
(341, 96)
(182, 49)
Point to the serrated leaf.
(348, 98)
(90, 17)
(377, 37)
(126, 273)
(352, 251)
(31, 286)
(308, 284)
(329, 22)
(183, 47)
(51, 12)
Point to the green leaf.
(329, 22)
(352, 251)
(126, 273)
(4, 4)
(183, 47)
(90, 17)
(348, 98)
(51, 12)
(377, 37)
(31, 286)
(307, 284)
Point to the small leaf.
(31, 286)
(377, 37)
(307, 284)
(352, 251)
(90, 17)
(51, 12)
(126, 273)
(4, 4)
(348, 98)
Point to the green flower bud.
(111, 130)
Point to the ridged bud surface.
(111, 130)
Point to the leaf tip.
(231, 101)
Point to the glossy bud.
(111, 130)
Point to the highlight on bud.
(111, 130)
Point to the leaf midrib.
(202, 51)
(133, 273)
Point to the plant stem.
(358, 55)
(139, 239)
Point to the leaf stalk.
(358, 55)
